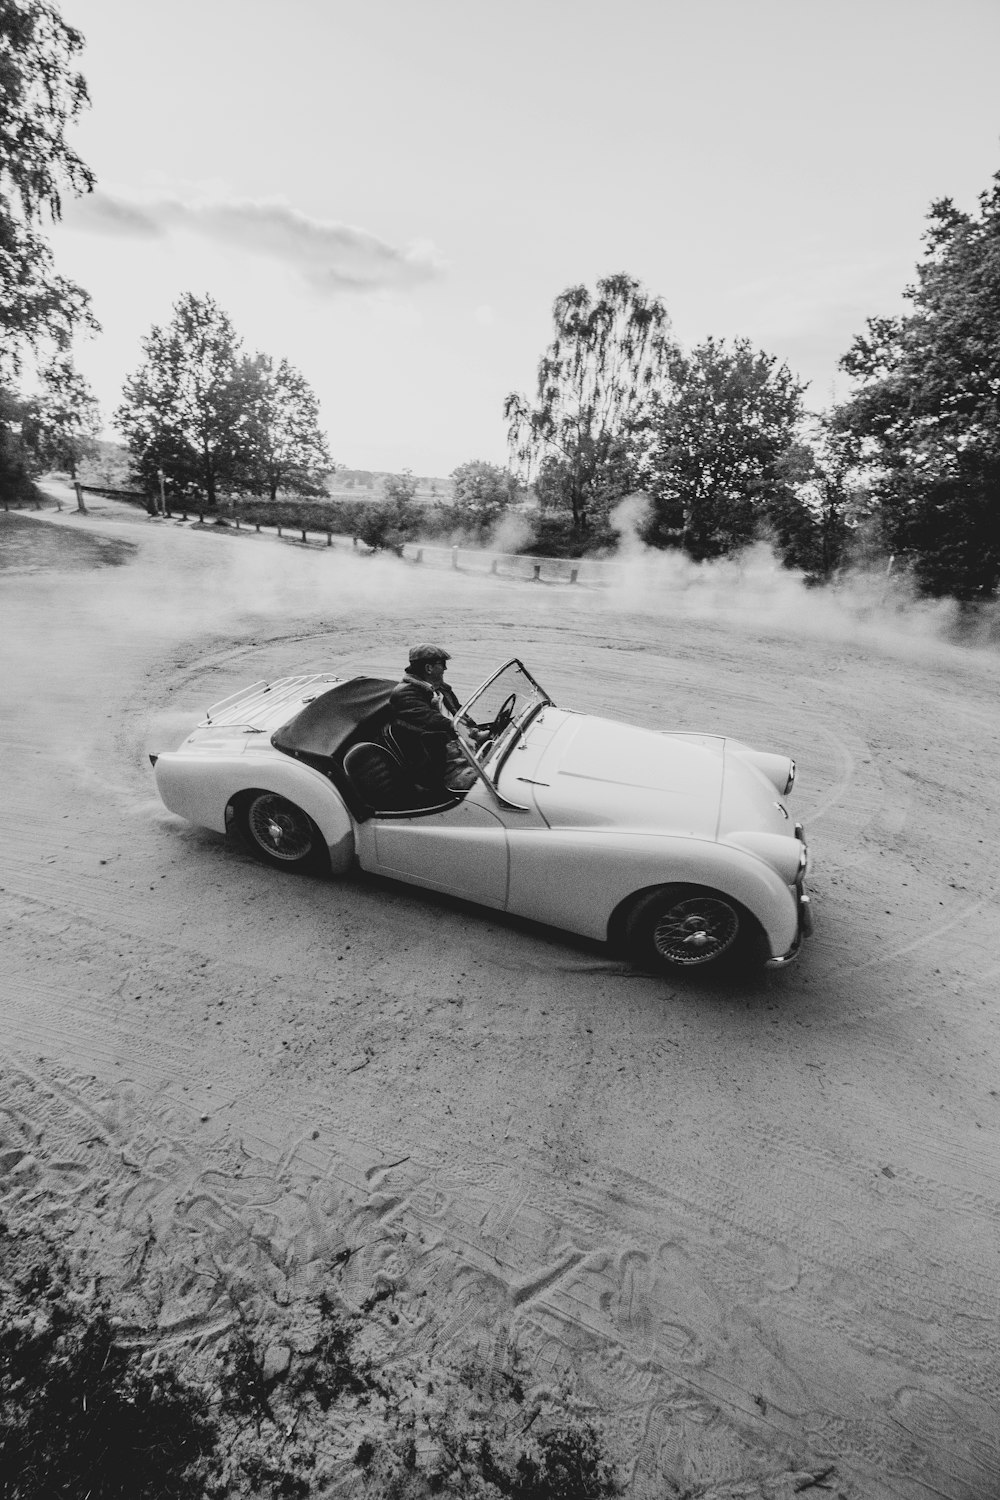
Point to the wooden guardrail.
(518, 565)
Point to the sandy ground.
(755, 1224)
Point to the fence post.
(201, 518)
(236, 521)
(79, 496)
(574, 574)
(538, 573)
(454, 557)
(257, 525)
(279, 528)
(493, 566)
(329, 538)
(420, 555)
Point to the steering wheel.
(504, 714)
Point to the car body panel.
(577, 878)
(462, 850)
(201, 781)
(573, 814)
(596, 773)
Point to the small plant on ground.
(81, 1414)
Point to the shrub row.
(550, 535)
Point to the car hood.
(599, 773)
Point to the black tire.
(279, 833)
(678, 928)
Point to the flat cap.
(426, 652)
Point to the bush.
(80, 1414)
(555, 536)
(342, 517)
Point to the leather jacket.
(421, 729)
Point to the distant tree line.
(716, 439)
(719, 443)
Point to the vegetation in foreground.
(84, 1413)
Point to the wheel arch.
(330, 816)
(205, 791)
(618, 920)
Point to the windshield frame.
(518, 725)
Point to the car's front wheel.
(279, 833)
(687, 927)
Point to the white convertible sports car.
(675, 847)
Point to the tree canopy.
(610, 354)
(179, 410)
(480, 494)
(926, 410)
(719, 440)
(61, 424)
(216, 419)
(281, 445)
(41, 94)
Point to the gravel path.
(755, 1224)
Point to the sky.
(392, 193)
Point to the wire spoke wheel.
(696, 931)
(687, 927)
(280, 830)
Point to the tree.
(926, 409)
(481, 493)
(815, 515)
(714, 467)
(388, 523)
(18, 464)
(41, 94)
(281, 444)
(184, 410)
(610, 354)
(62, 424)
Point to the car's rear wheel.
(279, 833)
(688, 927)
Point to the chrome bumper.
(805, 918)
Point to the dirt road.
(756, 1224)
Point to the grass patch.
(30, 546)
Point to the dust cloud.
(875, 609)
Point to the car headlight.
(788, 857)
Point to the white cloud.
(330, 257)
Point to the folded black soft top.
(319, 730)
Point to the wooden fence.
(516, 565)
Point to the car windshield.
(505, 702)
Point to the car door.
(462, 850)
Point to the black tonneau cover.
(320, 729)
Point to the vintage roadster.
(675, 847)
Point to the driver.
(419, 706)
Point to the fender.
(577, 878)
(201, 791)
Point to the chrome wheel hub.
(696, 931)
(280, 828)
